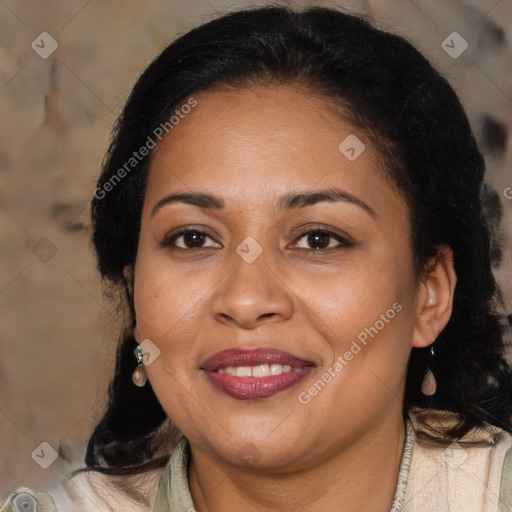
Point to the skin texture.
(342, 450)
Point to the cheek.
(366, 315)
(168, 308)
(352, 300)
(168, 305)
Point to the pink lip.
(254, 388)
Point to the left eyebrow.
(289, 201)
(293, 200)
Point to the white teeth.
(243, 371)
(261, 370)
(276, 369)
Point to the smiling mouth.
(261, 370)
(254, 374)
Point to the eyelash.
(345, 243)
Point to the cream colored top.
(473, 474)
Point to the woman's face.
(248, 293)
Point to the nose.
(252, 294)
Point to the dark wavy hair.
(418, 125)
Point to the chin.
(260, 453)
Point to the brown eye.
(190, 239)
(193, 239)
(317, 239)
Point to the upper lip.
(252, 357)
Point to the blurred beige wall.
(58, 334)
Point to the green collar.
(173, 492)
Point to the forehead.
(252, 143)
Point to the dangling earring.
(139, 376)
(429, 385)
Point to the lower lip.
(255, 388)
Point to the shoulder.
(88, 492)
(506, 483)
(466, 474)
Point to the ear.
(129, 282)
(434, 300)
(128, 276)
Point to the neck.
(362, 476)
